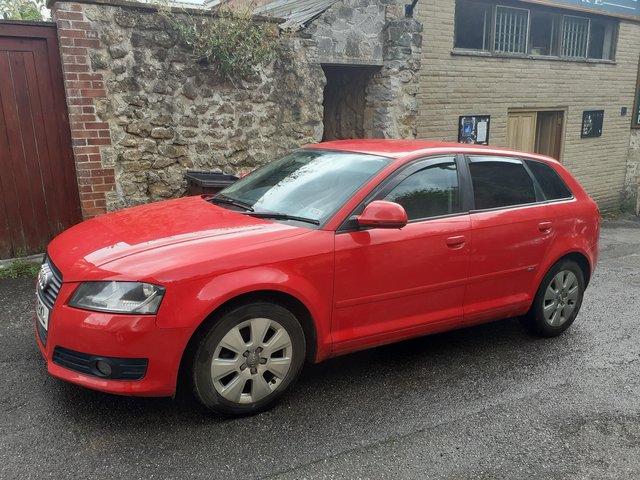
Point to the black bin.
(201, 182)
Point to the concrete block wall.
(453, 84)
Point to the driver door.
(398, 283)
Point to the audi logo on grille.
(45, 277)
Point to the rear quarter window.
(550, 182)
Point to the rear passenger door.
(511, 231)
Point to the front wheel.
(248, 359)
(557, 301)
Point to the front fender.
(309, 280)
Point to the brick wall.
(454, 85)
(89, 134)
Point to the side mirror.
(383, 214)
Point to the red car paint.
(427, 277)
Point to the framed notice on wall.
(592, 121)
(635, 118)
(474, 129)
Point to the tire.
(557, 301)
(248, 359)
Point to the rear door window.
(500, 182)
(550, 182)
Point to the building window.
(543, 31)
(511, 30)
(543, 34)
(473, 25)
(575, 35)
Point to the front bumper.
(114, 335)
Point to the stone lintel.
(351, 62)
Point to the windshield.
(310, 184)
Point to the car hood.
(144, 241)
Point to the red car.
(333, 248)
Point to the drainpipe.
(408, 9)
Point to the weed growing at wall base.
(18, 269)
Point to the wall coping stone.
(132, 4)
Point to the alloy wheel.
(251, 360)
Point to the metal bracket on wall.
(408, 9)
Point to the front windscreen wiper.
(230, 201)
(283, 216)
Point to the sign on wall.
(629, 8)
(592, 121)
(474, 129)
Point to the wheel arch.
(581, 259)
(286, 300)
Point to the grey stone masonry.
(632, 181)
(163, 112)
(167, 113)
(357, 32)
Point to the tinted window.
(499, 182)
(552, 185)
(430, 192)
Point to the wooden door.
(521, 131)
(38, 184)
(549, 133)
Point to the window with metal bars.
(575, 36)
(511, 30)
(538, 31)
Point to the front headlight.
(118, 297)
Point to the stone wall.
(163, 112)
(356, 32)
(143, 111)
(454, 83)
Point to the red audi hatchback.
(333, 248)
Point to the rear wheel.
(248, 359)
(557, 301)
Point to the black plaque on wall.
(592, 121)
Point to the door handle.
(456, 242)
(545, 227)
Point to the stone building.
(352, 72)
(535, 68)
(553, 76)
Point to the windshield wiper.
(283, 216)
(230, 201)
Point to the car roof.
(399, 149)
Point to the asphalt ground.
(489, 402)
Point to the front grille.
(49, 283)
(48, 288)
(121, 368)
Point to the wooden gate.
(38, 184)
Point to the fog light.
(103, 368)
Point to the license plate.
(42, 313)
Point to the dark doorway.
(38, 184)
(549, 133)
(345, 101)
